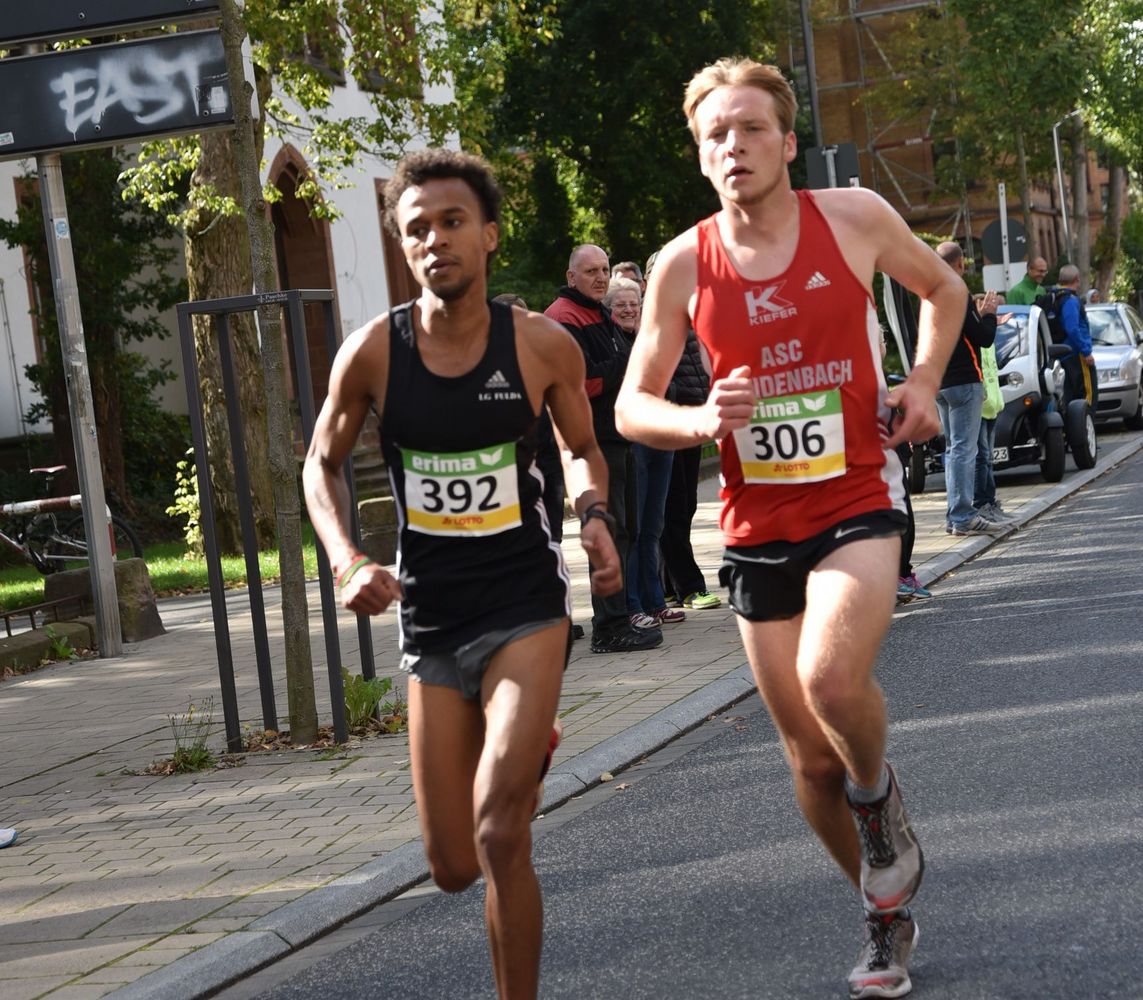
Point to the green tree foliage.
(1114, 94)
(123, 261)
(994, 76)
(579, 106)
(303, 50)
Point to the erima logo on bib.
(764, 305)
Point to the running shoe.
(702, 600)
(576, 631)
(672, 601)
(669, 616)
(8, 837)
(641, 620)
(557, 734)
(904, 590)
(627, 640)
(920, 592)
(891, 860)
(881, 969)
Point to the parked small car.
(1035, 427)
(1117, 345)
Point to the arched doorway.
(305, 260)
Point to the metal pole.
(1060, 183)
(101, 565)
(210, 535)
(1005, 259)
(811, 72)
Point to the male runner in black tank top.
(481, 709)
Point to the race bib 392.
(462, 494)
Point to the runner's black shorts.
(768, 582)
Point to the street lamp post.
(1060, 182)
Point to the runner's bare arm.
(874, 237)
(358, 369)
(641, 412)
(585, 471)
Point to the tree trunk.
(1032, 247)
(1112, 229)
(218, 266)
(245, 156)
(1081, 227)
(108, 408)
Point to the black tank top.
(475, 553)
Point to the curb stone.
(240, 954)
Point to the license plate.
(999, 455)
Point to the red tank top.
(814, 452)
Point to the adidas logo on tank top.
(497, 381)
(817, 280)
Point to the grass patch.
(171, 572)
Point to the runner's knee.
(503, 837)
(452, 873)
(833, 691)
(818, 767)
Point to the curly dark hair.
(442, 164)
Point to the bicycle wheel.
(67, 549)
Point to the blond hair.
(737, 72)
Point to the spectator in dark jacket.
(605, 350)
(683, 581)
(959, 401)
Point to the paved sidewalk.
(171, 887)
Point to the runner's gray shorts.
(463, 668)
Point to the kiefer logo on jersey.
(497, 387)
(764, 305)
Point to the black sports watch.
(597, 510)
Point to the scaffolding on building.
(850, 55)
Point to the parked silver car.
(1117, 346)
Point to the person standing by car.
(1080, 381)
(984, 491)
(1025, 291)
(960, 401)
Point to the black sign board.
(840, 161)
(105, 94)
(27, 22)
(992, 239)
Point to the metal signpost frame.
(58, 19)
(222, 310)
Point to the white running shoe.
(881, 969)
(891, 860)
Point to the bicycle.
(35, 530)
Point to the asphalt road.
(1015, 699)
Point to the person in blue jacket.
(1079, 366)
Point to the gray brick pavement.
(160, 887)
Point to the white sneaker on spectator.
(640, 620)
(994, 512)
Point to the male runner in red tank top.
(777, 287)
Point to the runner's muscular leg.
(520, 695)
(850, 596)
(445, 737)
(772, 648)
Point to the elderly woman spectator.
(645, 602)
